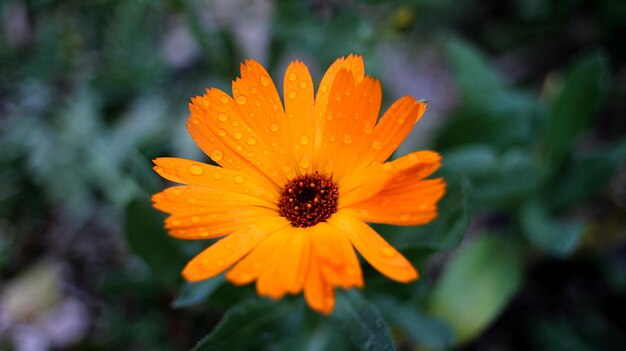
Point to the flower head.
(298, 181)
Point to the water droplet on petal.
(302, 85)
(377, 145)
(265, 80)
(292, 95)
(238, 135)
(292, 77)
(347, 138)
(242, 99)
(251, 141)
(324, 88)
(305, 162)
(196, 169)
(221, 132)
(274, 127)
(217, 176)
(195, 121)
(304, 140)
(216, 155)
(222, 117)
(388, 252)
(224, 99)
(239, 179)
(257, 102)
(368, 129)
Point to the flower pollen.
(308, 199)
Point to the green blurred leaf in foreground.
(251, 324)
(584, 88)
(551, 235)
(362, 322)
(147, 238)
(194, 293)
(476, 284)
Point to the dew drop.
(221, 132)
(238, 135)
(305, 162)
(253, 90)
(224, 99)
(239, 147)
(239, 179)
(292, 77)
(368, 129)
(196, 169)
(257, 102)
(324, 88)
(274, 127)
(242, 99)
(292, 95)
(302, 85)
(304, 140)
(235, 123)
(222, 117)
(377, 145)
(216, 155)
(388, 252)
(217, 176)
(265, 80)
(195, 121)
(347, 138)
(251, 141)
(275, 107)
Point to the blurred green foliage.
(531, 129)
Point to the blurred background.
(527, 106)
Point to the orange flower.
(297, 183)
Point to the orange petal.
(414, 204)
(188, 199)
(374, 248)
(220, 130)
(365, 183)
(294, 260)
(336, 257)
(298, 97)
(200, 213)
(318, 293)
(354, 65)
(197, 173)
(221, 255)
(350, 117)
(393, 128)
(260, 259)
(260, 104)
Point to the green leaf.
(475, 286)
(477, 82)
(582, 178)
(495, 178)
(252, 323)
(553, 236)
(583, 91)
(421, 329)
(361, 321)
(147, 238)
(194, 293)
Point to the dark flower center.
(308, 200)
